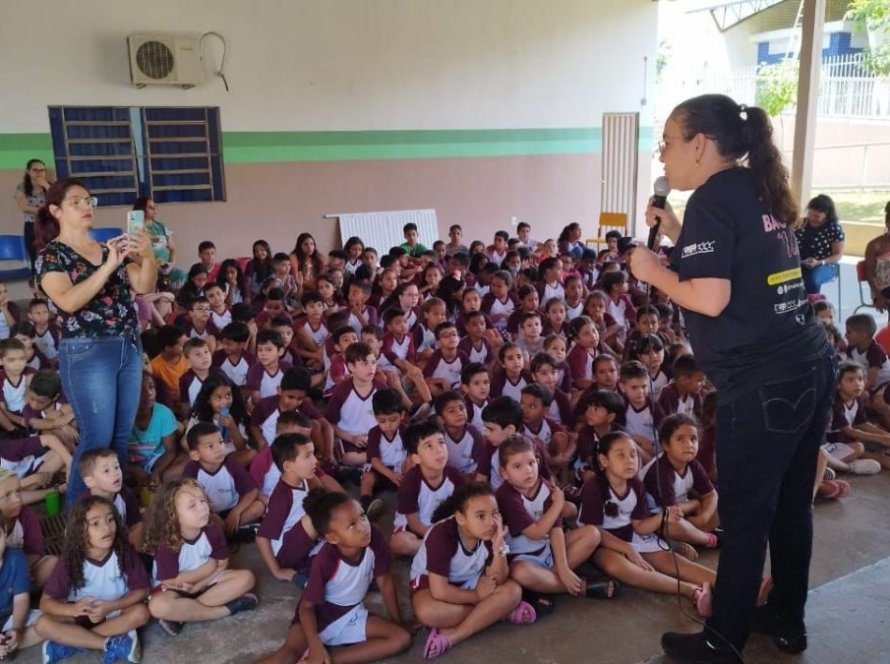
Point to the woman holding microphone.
(735, 271)
(100, 354)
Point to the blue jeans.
(814, 277)
(102, 379)
(767, 445)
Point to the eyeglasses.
(664, 145)
(83, 201)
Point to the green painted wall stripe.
(242, 147)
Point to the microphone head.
(662, 187)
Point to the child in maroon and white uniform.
(443, 367)
(466, 447)
(476, 388)
(386, 450)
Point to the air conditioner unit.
(165, 59)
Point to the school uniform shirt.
(659, 383)
(872, 357)
(264, 318)
(622, 310)
(26, 533)
(105, 580)
(225, 486)
(465, 452)
(423, 337)
(210, 543)
(588, 439)
(501, 386)
(390, 451)
(474, 413)
(490, 464)
(495, 307)
(220, 320)
(48, 342)
(461, 323)
(282, 526)
(670, 487)
(236, 371)
(318, 333)
(265, 415)
(37, 361)
(442, 552)
(671, 402)
(22, 456)
(573, 311)
(147, 444)
(547, 291)
(643, 422)
(633, 341)
(561, 410)
(29, 414)
(580, 364)
(336, 585)
(393, 349)
(126, 504)
(14, 390)
(438, 367)
(350, 411)
(189, 329)
(259, 378)
(190, 386)
(369, 313)
(520, 511)
(631, 507)
(545, 432)
(417, 496)
(845, 415)
(336, 372)
(481, 352)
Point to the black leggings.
(29, 244)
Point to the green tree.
(777, 86)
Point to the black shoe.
(247, 534)
(170, 627)
(789, 638)
(695, 649)
(349, 475)
(247, 602)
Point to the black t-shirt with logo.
(768, 325)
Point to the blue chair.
(105, 234)
(12, 248)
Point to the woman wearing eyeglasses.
(30, 194)
(100, 354)
(735, 271)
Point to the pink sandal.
(436, 644)
(766, 585)
(703, 600)
(523, 614)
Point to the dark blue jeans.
(814, 277)
(767, 445)
(102, 379)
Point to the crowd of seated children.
(537, 420)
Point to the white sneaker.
(864, 467)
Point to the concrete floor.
(848, 610)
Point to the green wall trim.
(252, 147)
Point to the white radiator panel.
(383, 230)
(621, 135)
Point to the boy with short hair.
(197, 352)
(475, 385)
(642, 416)
(646, 323)
(545, 371)
(232, 358)
(524, 232)
(683, 393)
(411, 245)
(14, 380)
(601, 412)
(286, 539)
(529, 302)
(498, 250)
(45, 410)
(292, 395)
(868, 353)
(360, 313)
(386, 450)
(311, 330)
(443, 368)
(228, 485)
(34, 358)
(169, 365)
(46, 335)
(476, 344)
(530, 339)
(207, 254)
(397, 351)
(430, 481)
(466, 446)
(501, 419)
(220, 315)
(535, 401)
(103, 476)
(343, 337)
(273, 305)
(455, 246)
(284, 325)
(264, 377)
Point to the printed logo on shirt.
(696, 248)
(787, 307)
(787, 288)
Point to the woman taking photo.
(736, 274)
(30, 194)
(100, 355)
(821, 242)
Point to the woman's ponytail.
(765, 163)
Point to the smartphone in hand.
(135, 221)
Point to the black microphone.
(659, 200)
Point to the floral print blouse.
(110, 313)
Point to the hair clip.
(743, 111)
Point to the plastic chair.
(609, 221)
(12, 248)
(862, 277)
(105, 234)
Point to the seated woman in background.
(161, 244)
(877, 264)
(821, 243)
